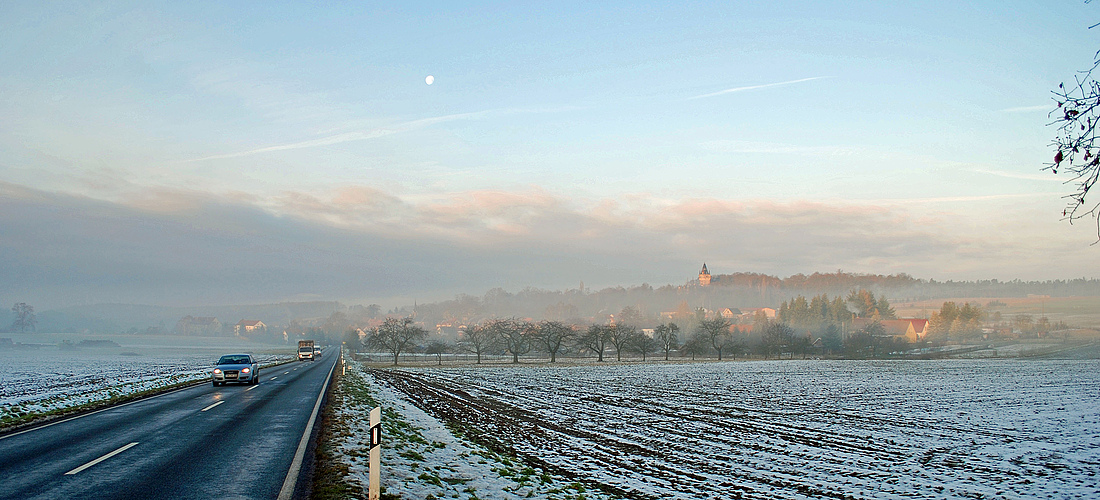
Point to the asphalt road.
(234, 441)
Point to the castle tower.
(704, 276)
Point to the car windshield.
(233, 360)
(305, 349)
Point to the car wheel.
(215, 384)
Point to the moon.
(429, 80)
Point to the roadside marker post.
(375, 453)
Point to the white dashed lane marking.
(100, 459)
(213, 405)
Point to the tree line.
(819, 312)
(515, 338)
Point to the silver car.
(238, 368)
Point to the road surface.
(234, 441)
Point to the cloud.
(189, 248)
(764, 235)
(377, 132)
(754, 87)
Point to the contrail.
(1013, 175)
(754, 87)
(352, 136)
(1026, 109)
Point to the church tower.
(704, 276)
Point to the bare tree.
(738, 342)
(477, 339)
(552, 335)
(620, 336)
(438, 347)
(595, 340)
(24, 317)
(1076, 154)
(775, 337)
(396, 335)
(802, 344)
(666, 338)
(645, 344)
(515, 336)
(716, 331)
(695, 345)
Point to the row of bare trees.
(399, 335)
(517, 338)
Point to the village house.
(248, 326)
(749, 312)
(912, 329)
(449, 329)
(730, 313)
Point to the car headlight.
(245, 370)
(217, 371)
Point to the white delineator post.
(373, 492)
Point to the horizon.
(258, 153)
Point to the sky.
(191, 153)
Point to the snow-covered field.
(42, 373)
(423, 459)
(1014, 351)
(772, 429)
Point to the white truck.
(305, 350)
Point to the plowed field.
(787, 429)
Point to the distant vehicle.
(316, 352)
(305, 350)
(236, 368)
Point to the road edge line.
(291, 481)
